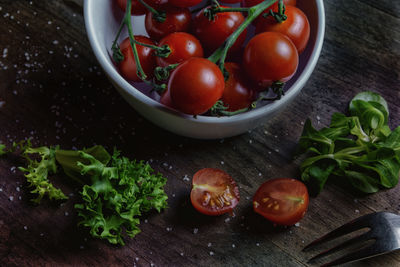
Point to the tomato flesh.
(214, 192)
(283, 201)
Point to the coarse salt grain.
(195, 230)
(211, 253)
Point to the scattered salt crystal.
(1, 189)
(222, 163)
(357, 211)
(66, 213)
(250, 141)
(2, 104)
(136, 259)
(169, 229)
(211, 253)
(259, 174)
(195, 230)
(186, 178)
(165, 164)
(41, 234)
(81, 247)
(55, 42)
(49, 22)
(146, 221)
(209, 244)
(25, 227)
(257, 244)
(181, 254)
(11, 198)
(297, 224)
(18, 189)
(227, 220)
(233, 245)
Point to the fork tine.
(364, 237)
(357, 255)
(349, 227)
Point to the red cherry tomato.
(128, 66)
(296, 27)
(195, 85)
(137, 8)
(214, 192)
(283, 201)
(177, 20)
(185, 3)
(212, 34)
(269, 57)
(238, 91)
(166, 99)
(183, 46)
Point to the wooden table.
(53, 91)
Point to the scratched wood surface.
(53, 91)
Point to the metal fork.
(384, 229)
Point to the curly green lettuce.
(117, 194)
(37, 173)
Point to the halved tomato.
(214, 192)
(283, 201)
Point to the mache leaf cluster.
(360, 148)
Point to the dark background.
(53, 91)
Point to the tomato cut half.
(214, 192)
(283, 201)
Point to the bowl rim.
(113, 74)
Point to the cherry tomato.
(177, 20)
(283, 201)
(269, 57)
(185, 3)
(137, 8)
(128, 66)
(166, 99)
(196, 85)
(183, 46)
(296, 27)
(214, 192)
(212, 34)
(238, 91)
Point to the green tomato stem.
(159, 16)
(127, 20)
(253, 12)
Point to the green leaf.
(368, 97)
(362, 181)
(37, 173)
(393, 141)
(118, 195)
(313, 138)
(316, 175)
(68, 159)
(2, 149)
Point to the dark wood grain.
(52, 90)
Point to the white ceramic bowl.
(102, 20)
